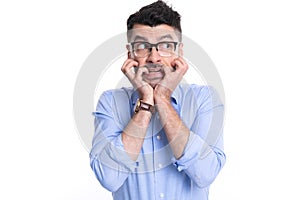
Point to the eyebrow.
(138, 37)
(168, 36)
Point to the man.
(160, 139)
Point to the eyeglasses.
(143, 49)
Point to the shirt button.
(158, 137)
(159, 165)
(161, 195)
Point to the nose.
(154, 56)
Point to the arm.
(108, 159)
(176, 132)
(197, 147)
(134, 133)
(203, 157)
(117, 145)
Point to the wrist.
(146, 94)
(162, 99)
(162, 93)
(147, 99)
(142, 105)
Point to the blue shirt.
(156, 174)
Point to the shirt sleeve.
(204, 157)
(109, 161)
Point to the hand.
(173, 76)
(135, 77)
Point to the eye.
(141, 46)
(166, 45)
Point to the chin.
(153, 83)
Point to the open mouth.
(154, 67)
(154, 70)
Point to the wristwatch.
(141, 105)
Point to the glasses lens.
(166, 48)
(143, 49)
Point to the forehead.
(152, 34)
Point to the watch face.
(145, 106)
(140, 105)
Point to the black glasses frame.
(153, 45)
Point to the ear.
(180, 49)
(128, 47)
(128, 51)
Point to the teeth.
(150, 65)
(157, 70)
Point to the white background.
(254, 44)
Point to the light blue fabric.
(156, 174)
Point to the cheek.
(141, 61)
(168, 61)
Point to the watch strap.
(141, 105)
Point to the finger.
(127, 68)
(142, 70)
(167, 69)
(128, 64)
(124, 64)
(179, 61)
(184, 63)
(180, 65)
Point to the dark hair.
(155, 14)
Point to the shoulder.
(199, 94)
(194, 90)
(117, 93)
(115, 96)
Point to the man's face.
(145, 53)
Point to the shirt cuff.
(115, 156)
(192, 152)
